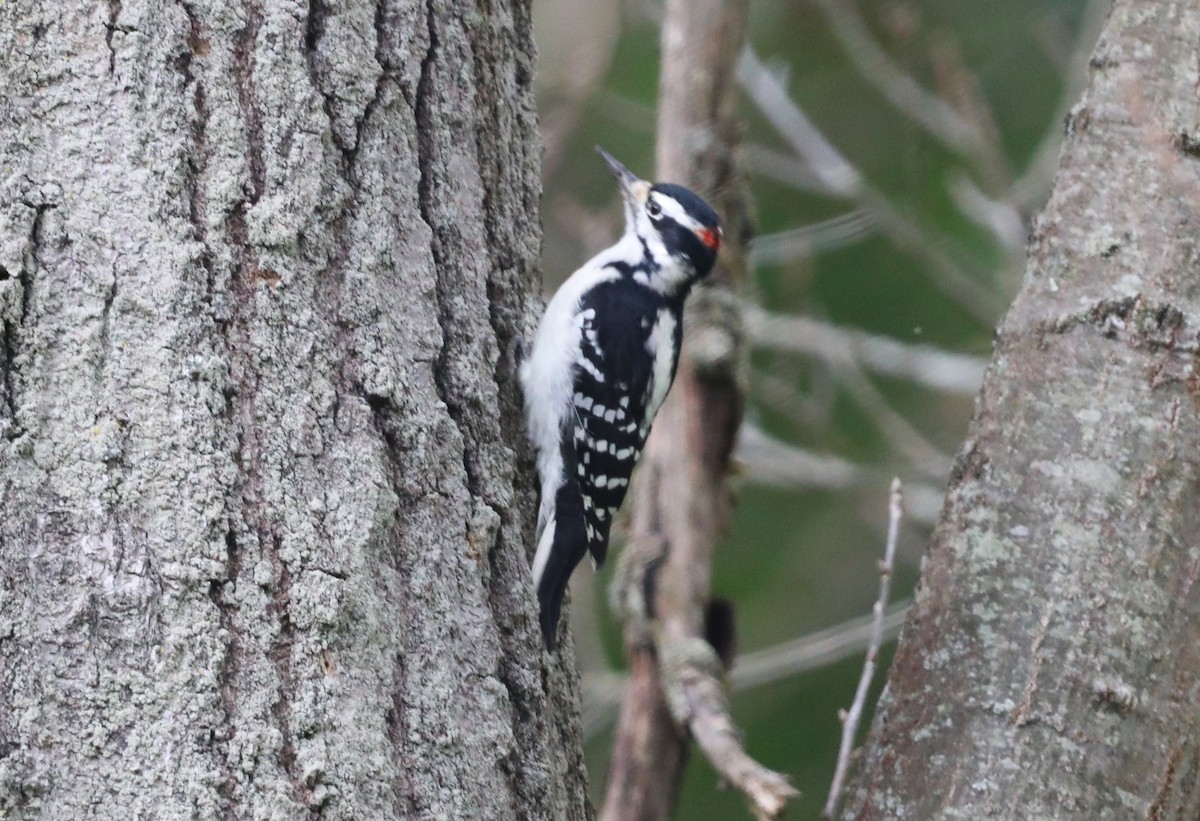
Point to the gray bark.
(1051, 664)
(264, 486)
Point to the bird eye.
(653, 208)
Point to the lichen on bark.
(1049, 668)
(265, 492)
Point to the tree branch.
(677, 661)
(838, 177)
(921, 364)
(603, 691)
(937, 117)
(851, 719)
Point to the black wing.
(612, 389)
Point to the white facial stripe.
(671, 208)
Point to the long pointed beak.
(633, 188)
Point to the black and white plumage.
(602, 362)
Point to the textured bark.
(1051, 664)
(264, 483)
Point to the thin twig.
(603, 691)
(920, 364)
(998, 217)
(772, 462)
(806, 241)
(814, 651)
(827, 165)
(788, 387)
(839, 178)
(851, 719)
(902, 436)
(906, 95)
(783, 167)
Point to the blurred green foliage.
(799, 560)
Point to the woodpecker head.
(680, 233)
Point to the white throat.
(642, 248)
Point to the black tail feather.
(550, 598)
(567, 551)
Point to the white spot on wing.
(588, 366)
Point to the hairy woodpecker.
(602, 361)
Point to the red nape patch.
(710, 238)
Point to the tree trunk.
(679, 641)
(1051, 665)
(264, 483)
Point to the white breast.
(547, 375)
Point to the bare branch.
(715, 733)
(922, 364)
(770, 461)
(826, 163)
(999, 217)
(839, 178)
(782, 167)
(851, 719)
(978, 299)
(777, 387)
(934, 115)
(809, 240)
(902, 435)
(815, 650)
(603, 691)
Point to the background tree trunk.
(263, 475)
(1051, 664)
(679, 642)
